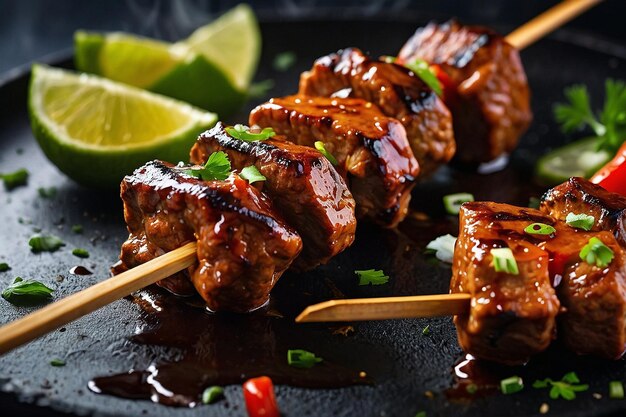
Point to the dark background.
(31, 29)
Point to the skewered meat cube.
(243, 245)
(396, 91)
(485, 86)
(512, 316)
(303, 185)
(579, 196)
(372, 150)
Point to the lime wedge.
(96, 130)
(212, 69)
(232, 42)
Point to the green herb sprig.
(609, 127)
(251, 174)
(242, 132)
(26, 292)
(372, 276)
(595, 252)
(217, 167)
(566, 388)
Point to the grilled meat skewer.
(243, 244)
(372, 150)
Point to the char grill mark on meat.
(396, 91)
(373, 153)
(487, 91)
(577, 195)
(243, 245)
(512, 317)
(303, 186)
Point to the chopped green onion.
(45, 243)
(426, 330)
(284, 61)
(77, 228)
(319, 145)
(372, 276)
(212, 394)
(4, 267)
(453, 202)
(57, 362)
(49, 192)
(504, 261)
(251, 174)
(242, 132)
(26, 292)
(217, 167)
(442, 247)
(81, 253)
(423, 71)
(580, 221)
(471, 389)
(595, 252)
(14, 179)
(539, 229)
(616, 390)
(299, 358)
(511, 385)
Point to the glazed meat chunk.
(372, 150)
(485, 86)
(577, 195)
(396, 91)
(303, 185)
(512, 316)
(243, 245)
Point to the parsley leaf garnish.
(15, 179)
(26, 292)
(609, 127)
(45, 243)
(596, 252)
(422, 70)
(217, 167)
(251, 174)
(242, 132)
(580, 221)
(372, 276)
(299, 358)
(566, 388)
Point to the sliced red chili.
(260, 398)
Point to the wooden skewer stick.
(383, 308)
(70, 308)
(548, 21)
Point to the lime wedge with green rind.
(96, 130)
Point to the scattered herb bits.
(580, 221)
(511, 385)
(26, 292)
(595, 252)
(49, 192)
(260, 89)
(372, 277)
(81, 253)
(616, 390)
(15, 179)
(251, 174)
(319, 145)
(539, 229)
(442, 247)
(299, 358)
(77, 228)
(566, 388)
(426, 330)
(471, 389)
(504, 261)
(45, 243)
(4, 267)
(284, 61)
(217, 167)
(242, 132)
(212, 394)
(57, 362)
(453, 202)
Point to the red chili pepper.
(612, 176)
(448, 86)
(260, 398)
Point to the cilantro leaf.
(26, 292)
(596, 252)
(217, 167)
(242, 132)
(372, 276)
(566, 388)
(251, 174)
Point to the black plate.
(402, 361)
